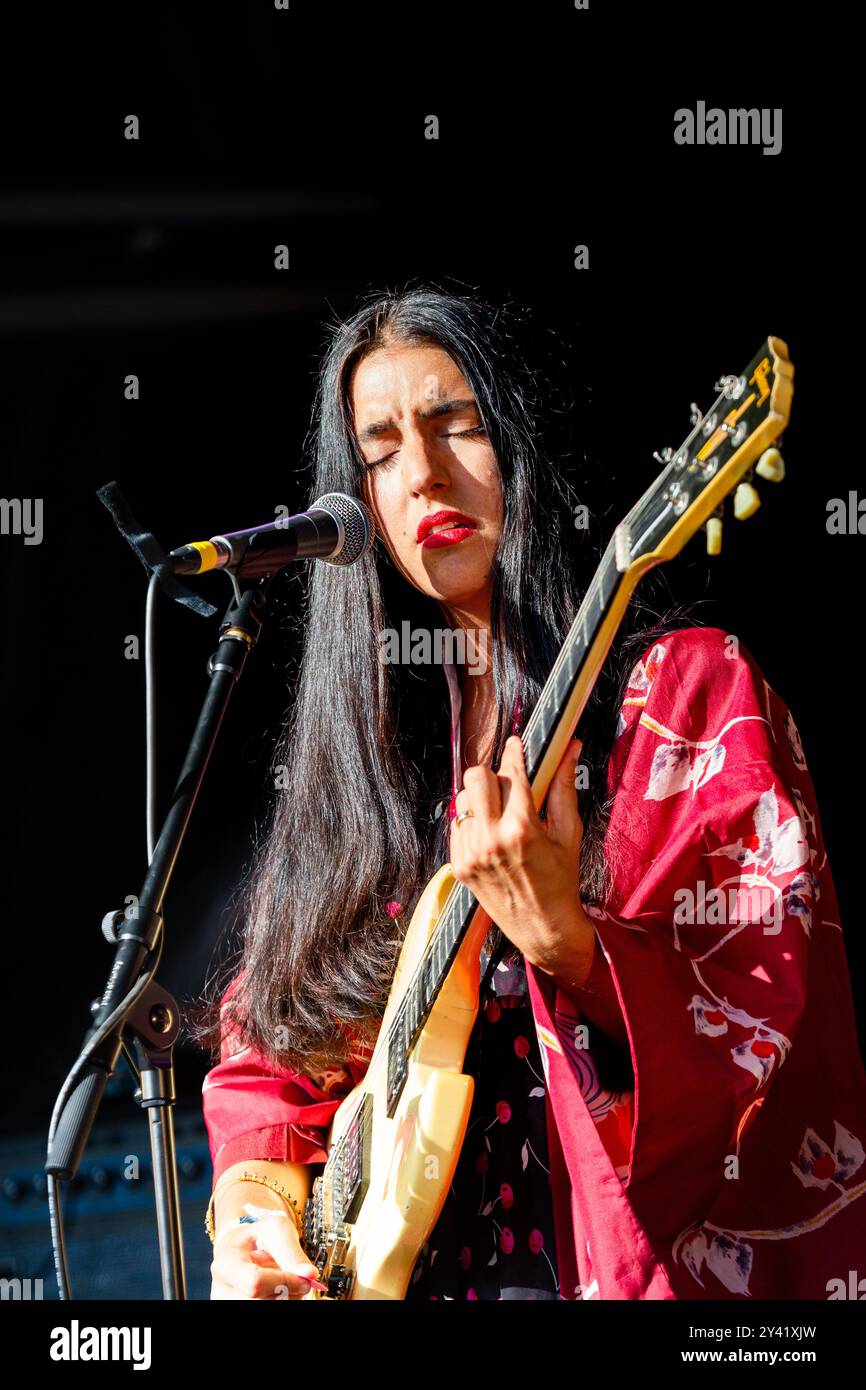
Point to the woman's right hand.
(262, 1259)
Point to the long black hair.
(318, 944)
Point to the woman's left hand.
(525, 871)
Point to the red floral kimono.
(736, 1167)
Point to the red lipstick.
(454, 527)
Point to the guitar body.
(410, 1157)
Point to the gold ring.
(462, 816)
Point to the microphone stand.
(147, 1027)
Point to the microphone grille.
(359, 528)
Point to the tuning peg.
(746, 502)
(663, 455)
(713, 528)
(771, 466)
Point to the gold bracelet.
(272, 1183)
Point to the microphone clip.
(149, 551)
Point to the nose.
(425, 467)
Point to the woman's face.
(422, 439)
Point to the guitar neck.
(568, 687)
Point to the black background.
(155, 257)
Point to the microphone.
(337, 528)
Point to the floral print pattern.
(723, 937)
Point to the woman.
(670, 1101)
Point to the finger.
(257, 1235)
(271, 1242)
(480, 793)
(462, 807)
(221, 1291)
(459, 835)
(516, 791)
(277, 1234)
(277, 1238)
(563, 822)
(235, 1267)
(264, 1259)
(461, 802)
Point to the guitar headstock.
(749, 414)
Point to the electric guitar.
(394, 1143)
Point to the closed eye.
(452, 434)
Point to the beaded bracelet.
(272, 1183)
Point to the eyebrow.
(446, 407)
